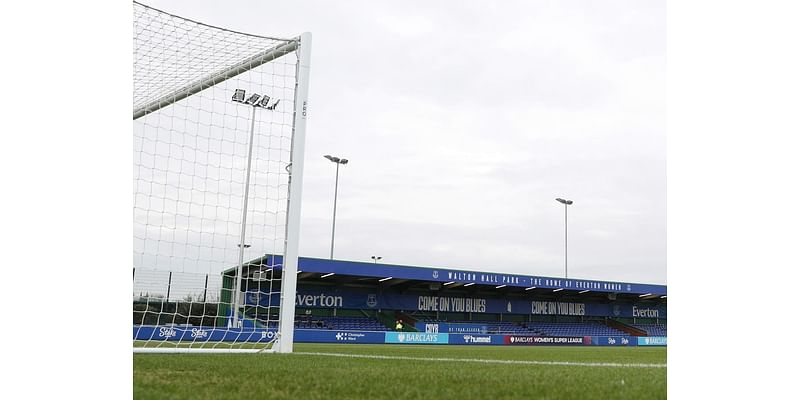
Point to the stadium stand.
(593, 328)
(340, 323)
(653, 329)
(573, 329)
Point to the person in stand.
(398, 326)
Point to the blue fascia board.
(443, 275)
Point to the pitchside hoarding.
(320, 336)
(417, 338)
(652, 341)
(471, 338)
(613, 341)
(547, 340)
(202, 334)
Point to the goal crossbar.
(218, 77)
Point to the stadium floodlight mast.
(376, 258)
(338, 161)
(565, 203)
(256, 101)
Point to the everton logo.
(435, 274)
(372, 300)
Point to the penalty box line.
(488, 361)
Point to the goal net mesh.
(191, 153)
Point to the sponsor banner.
(202, 334)
(446, 327)
(614, 341)
(366, 299)
(547, 340)
(416, 337)
(471, 338)
(326, 336)
(652, 340)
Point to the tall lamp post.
(256, 101)
(338, 161)
(565, 203)
(376, 258)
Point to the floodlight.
(253, 99)
(558, 290)
(645, 295)
(343, 161)
(238, 96)
(532, 287)
(562, 201)
(275, 104)
(501, 286)
(583, 291)
(263, 102)
(326, 275)
(332, 158)
(469, 284)
(385, 279)
(450, 283)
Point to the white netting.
(190, 157)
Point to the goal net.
(218, 139)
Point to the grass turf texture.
(305, 376)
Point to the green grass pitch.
(407, 372)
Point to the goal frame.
(283, 342)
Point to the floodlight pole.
(335, 196)
(565, 203)
(338, 161)
(240, 267)
(566, 243)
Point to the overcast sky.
(463, 121)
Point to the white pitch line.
(486, 361)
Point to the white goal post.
(219, 121)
